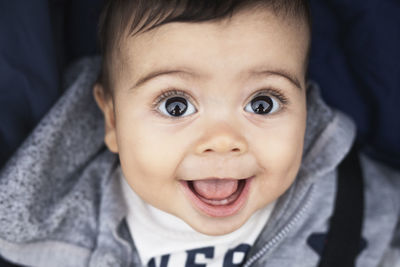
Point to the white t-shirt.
(165, 240)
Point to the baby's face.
(210, 117)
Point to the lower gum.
(210, 201)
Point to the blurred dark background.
(355, 59)
(38, 40)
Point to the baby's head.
(204, 101)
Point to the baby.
(208, 118)
(207, 115)
(226, 156)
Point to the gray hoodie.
(61, 205)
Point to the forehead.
(248, 40)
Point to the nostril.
(221, 144)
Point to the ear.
(106, 105)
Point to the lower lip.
(218, 210)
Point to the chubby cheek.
(148, 157)
(279, 154)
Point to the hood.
(41, 195)
(50, 189)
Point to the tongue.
(215, 188)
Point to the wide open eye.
(176, 107)
(262, 105)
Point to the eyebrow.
(157, 73)
(279, 72)
(181, 72)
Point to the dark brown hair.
(129, 17)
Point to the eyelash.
(278, 94)
(167, 93)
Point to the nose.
(222, 139)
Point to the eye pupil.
(262, 104)
(176, 106)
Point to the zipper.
(282, 233)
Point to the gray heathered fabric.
(60, 204)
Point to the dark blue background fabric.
(355, 58)
(38, 39)
(28, 73)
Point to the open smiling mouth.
(218, 197)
